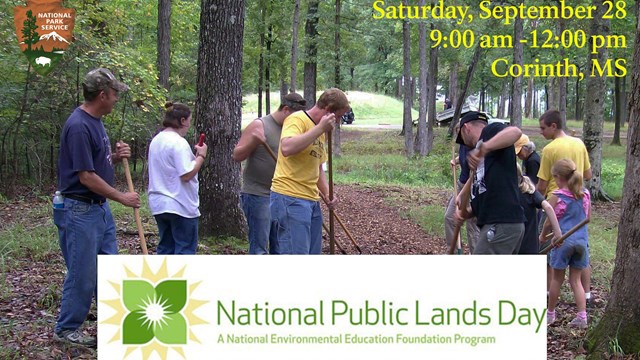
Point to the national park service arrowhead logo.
(45, 30)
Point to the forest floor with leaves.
(375, 216)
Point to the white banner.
(321, 307)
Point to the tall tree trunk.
(502, 104)
(284, 88)
(562, 83)
(267, 68)
(528, 100)
(625, 103)
(518, 50)
(463, 93)
(261, 61)
(218, 114)
(453, 81)
(618, 101)
(621, 318)
(422, 144)
(311, 61)
(352, 85)
(164, 42)
(594, 106)
(337, 150)
(294, 45)
(578, 103)
(536, 103)
(407, 123)
(552, 95)
(432, 83)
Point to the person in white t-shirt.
(173, 183)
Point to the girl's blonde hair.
(566, 170)
(524, 183)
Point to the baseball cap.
(524, 140)
(468, 117)
(100, 79)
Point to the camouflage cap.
(100, 79)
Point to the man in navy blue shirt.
(86, 178)
(495, 196)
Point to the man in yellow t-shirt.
(299, 181)
(562, 146)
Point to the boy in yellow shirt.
(299, 181)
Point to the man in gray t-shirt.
(258, 172)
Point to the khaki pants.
(472, 229)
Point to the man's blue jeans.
(262, 231)
(299, 223)
(85, 231)
(178, 234)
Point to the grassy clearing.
(370, 109)
(376, 158)
(32, 240)
(571, 124)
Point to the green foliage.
(378, 158)
(223, 245)
(613, 176)
(32, 241)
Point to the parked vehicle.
(444, 118)
(349, 117)
(492, 120)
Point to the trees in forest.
(218, 115)
(407, 123)
(164, 42)
(337, 148)
(424, 137)
(621, 319)
(594, 106)
(294, 46)
(518, 52)
(311, 61)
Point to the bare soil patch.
(30, 290)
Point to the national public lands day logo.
(45, 30)
(155, 312)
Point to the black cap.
(468, 117)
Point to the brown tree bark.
(164, 42)
(218, 115)
(453, 81)
(562, 82)
(407, 124)
(267, 68)
(261, 61)
(432, 83)
(621, 318)
(618, 92)
(337, 149)
(311, 61)
(528, 99)
(502, 103)
(592, 130)
(423, 143)
(518, 52)
(294, 45)
(578, 103)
